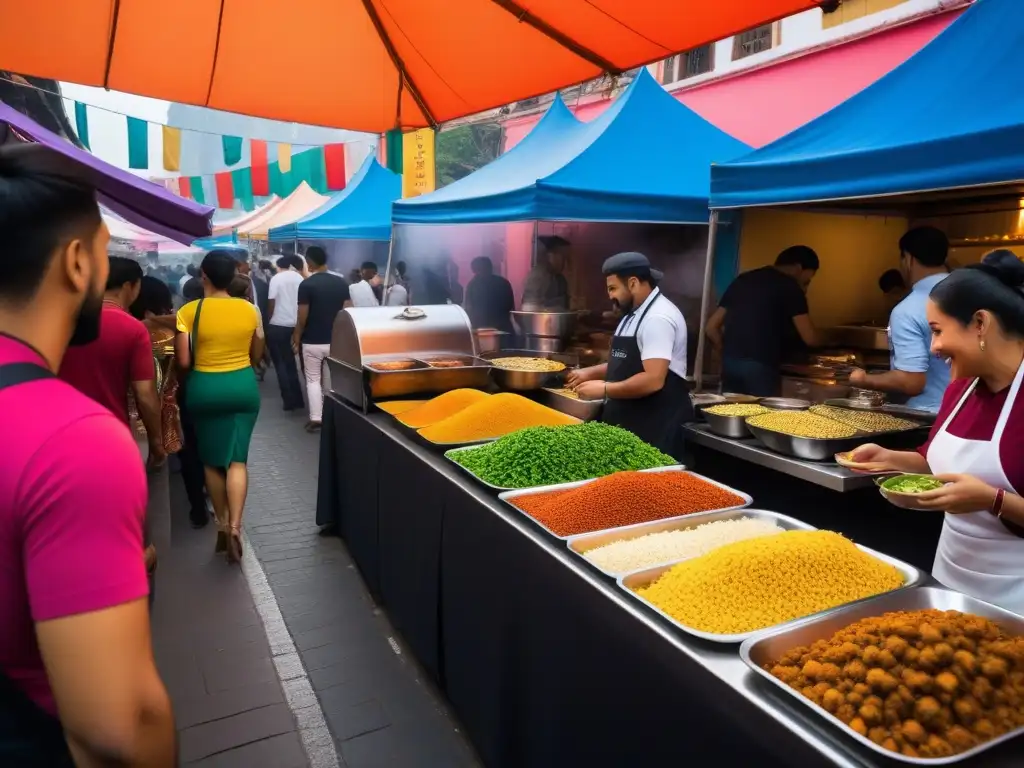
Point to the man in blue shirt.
(915, 372)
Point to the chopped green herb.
(912, 484)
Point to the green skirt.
(223, 407)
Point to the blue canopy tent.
(926, 127)
(361, 211)
(645, 159)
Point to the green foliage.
(463, 150)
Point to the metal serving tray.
(734, 427)
(381, 385)
(825, 449)
(584, 542)
(508, 497)
(770, 645)
(633, 581)
(448, 456)
(584, 410)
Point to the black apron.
(29, 737)
(658, 418)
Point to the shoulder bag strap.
(193, 335)
(13, 374)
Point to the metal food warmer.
(384, 352)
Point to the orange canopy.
(366, 65)
(292, 208)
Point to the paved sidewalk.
(213, 651)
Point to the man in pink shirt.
(76, 661)
(120, 359)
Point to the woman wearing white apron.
(977, 443)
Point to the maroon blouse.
(977, 421)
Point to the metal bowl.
(785, 404)
(559, 325)
(489, 340)
(734, 427)
(524, 381)
(704, 399)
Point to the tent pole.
(705, 299)
(387, 269)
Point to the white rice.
(656, 548)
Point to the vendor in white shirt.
(365, 292)
(643, 383)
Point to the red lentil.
(625, 498)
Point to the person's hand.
(149, 557)
(295, 346)
(157, 456)
(577, 376)
(871, 458)
(590, 390)
(962, 494)
(858, 377)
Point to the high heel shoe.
(222, 542)
(235, 545)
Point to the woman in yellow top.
(220, 338)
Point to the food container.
(734, 427)
(704, 399)
(509, 496)
(544, 344)
(584, 410)
(869, 397)
(857, 405)
(557, 325)
(582, 543)
(524, 381)
(897, 498)
(736, 397)
(770, 645)
(489, 340)
(808, 448)
(785, 403)
(362, 336)
(633, 581)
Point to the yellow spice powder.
(758, 583)
(496, 416)
(441, 407)
(399, 406)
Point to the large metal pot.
(489, 340)
(559, 325)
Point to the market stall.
(354, 225)
(550, 573)
(893, 156)
(302, 201)
(634, 179)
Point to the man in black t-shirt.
(761, 319)
(322, 296)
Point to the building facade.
(765, 82)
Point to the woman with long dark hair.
(220, 340)
(977, 444)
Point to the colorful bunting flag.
(284, 157)
(241, 182)
(172, 148)
(225, 190)
(334, 161)
(393, 140)
(232, 149)
(184, 186)
(260, 170)
(138, 143)
(82, 124)
(195, 184)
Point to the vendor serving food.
(643, 382)
(976, 317)
(916, 373)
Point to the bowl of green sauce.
(903, 490)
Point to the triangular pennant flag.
(138, 143)
(172, 148)
(195, 184)
(232, 149)
(309, 167)
(184, 186)
(225, 190)
(241, 181)
(82, 124)
(284, 157)
(277, 180)
(260, 169)
(334, 160)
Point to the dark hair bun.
(1005, 265)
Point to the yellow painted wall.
(855, 9)
(854, 252)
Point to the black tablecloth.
(541, 663)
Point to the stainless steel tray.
(809, 448)
(584, 542)
(584, 410)
(734, 427)
(633, 581)
(448, 456)
(388, 384)
(508, 496)
(770, 645)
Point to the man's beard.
(87, 324)
(624, 308)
